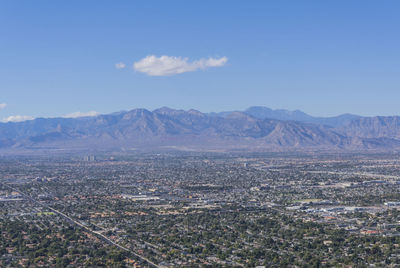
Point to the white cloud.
(166, 65)
(17, 118)
(3, 105)
(81, 114)
(120, 65)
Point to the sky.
(74, 58)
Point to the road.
(362, 174)
(99, 235)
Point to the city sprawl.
(200, 210)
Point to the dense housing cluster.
(200, 209)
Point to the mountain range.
(257, 128)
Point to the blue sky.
(322, 57)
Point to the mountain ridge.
(252, 129)
(262, 112)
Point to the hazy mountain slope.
(265, 112)
(140, 128)
(280, 114)
(373, 127)
(297, 134)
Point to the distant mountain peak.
(257, 127)
(261, 112)
(164, 109)
(168, 111)
(195, 112)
